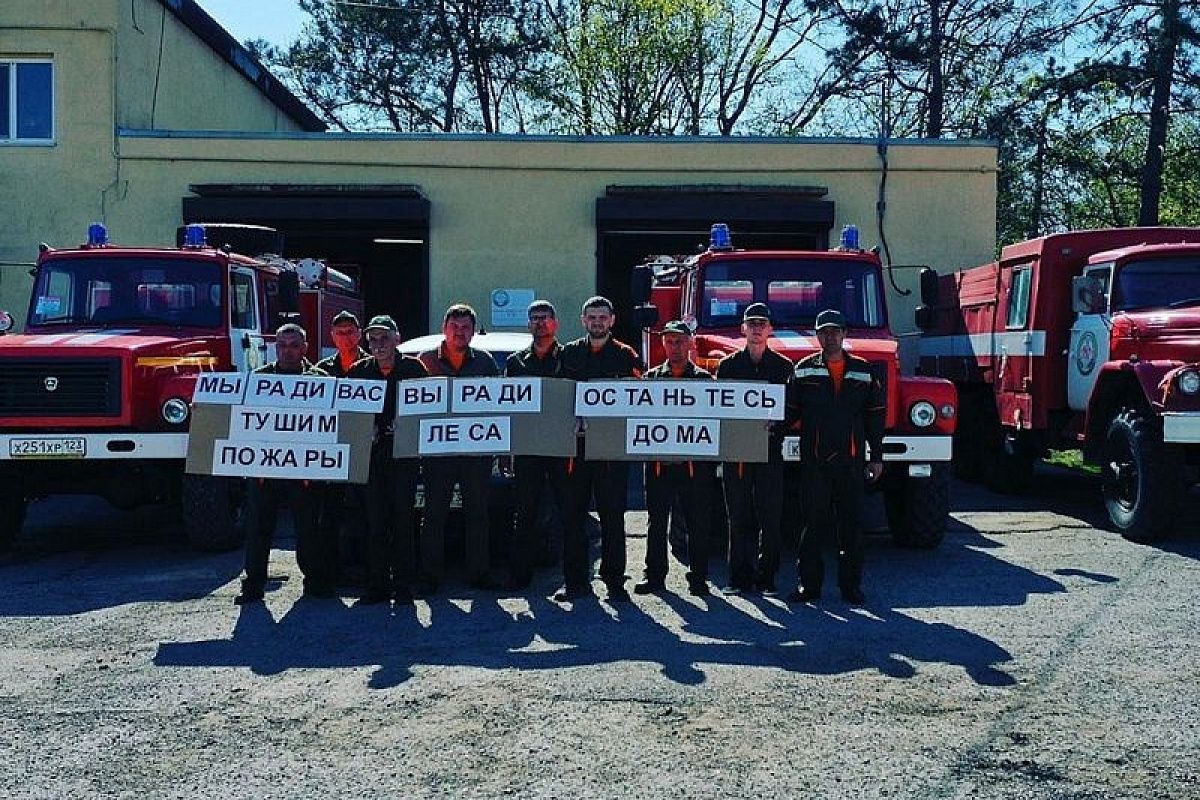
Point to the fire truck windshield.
(128, 291)
(796, 290)
(1157, 283)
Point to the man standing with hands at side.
(754, 492)
(391, 489)
(596, 356)
(541, 360)
(840, 406)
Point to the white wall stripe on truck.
(1014, 343)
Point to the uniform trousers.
(389, 497)
(608, 481)
(472, 474)
(833, 497)
(314, 552)
(685, 487)
(533, 475)
(754, 499)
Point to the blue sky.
(277, 21)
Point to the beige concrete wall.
(520, 213)
(190, 87)
(51, 192)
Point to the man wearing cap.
(840, 406)
(541, 359)
(688, 482)
(596, 356)
(346, 332)
(754, 492)
(390, 494)
(314, 552)
(455, 358)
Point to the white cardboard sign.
(358, 395)
(296, 391)
(220, 388)
(324, 462)
(680, 399)
(421, 396)
(474, 435)
(490, 395)
(663, 438)
(266, 424)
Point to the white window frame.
(12, 140)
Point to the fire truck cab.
(95, 394)
(1089, 340)
(711, 290)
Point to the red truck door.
(1016, 346)
(246, 341)
(1089, 345)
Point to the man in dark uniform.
(314, 552)
(455, 357)
(841, 408)
(346, 332)
(686, 485)
(754, 492)
(533, 473)
(596, 356)
(390, 493)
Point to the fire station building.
(146, 114)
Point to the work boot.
(649, 586)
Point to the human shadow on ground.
(684, 637)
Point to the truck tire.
(1142, 478)
(214, 512)
(12, 516)
(918, 508)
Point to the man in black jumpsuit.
(455, 357)
(533, 473)
(754, 492)
(841, 407)
(593, 357)
(390, 494)
(314, 552)
(685, 485)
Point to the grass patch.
(1071, 459)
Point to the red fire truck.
(1083, 340)
(711, 290)
(94, 395)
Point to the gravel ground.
(1032, 656)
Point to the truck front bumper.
(1181, 427)
(913, 449)
(92, 446)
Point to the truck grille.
(60, 387)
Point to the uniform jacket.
(332, 365)
(837, 429)
(405, 368)
(614, 360)
(691, 372)
(772, 368)
(476, 364)
(524, 363)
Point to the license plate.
(47, 447)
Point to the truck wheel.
(918, 508)
(214, 511)
(12, 515)
(1142, 478)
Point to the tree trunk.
(937, 83)
(1163, 59)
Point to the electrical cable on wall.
(881, 202)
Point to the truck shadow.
(682, 637)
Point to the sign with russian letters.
(678, 419)
(297, 427)
(485, 416)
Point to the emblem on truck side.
(1085, 357)
(51, 383)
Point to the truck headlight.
(6, 321)
(1189, 381)
(175, 411)
(922, 414)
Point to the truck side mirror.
(926, 317)
(645, 315)
(640, 283)
(929, 287)
(289, 292)
(1087, 295)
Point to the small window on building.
(1018, 297)
(241, 305)
(26, 102)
